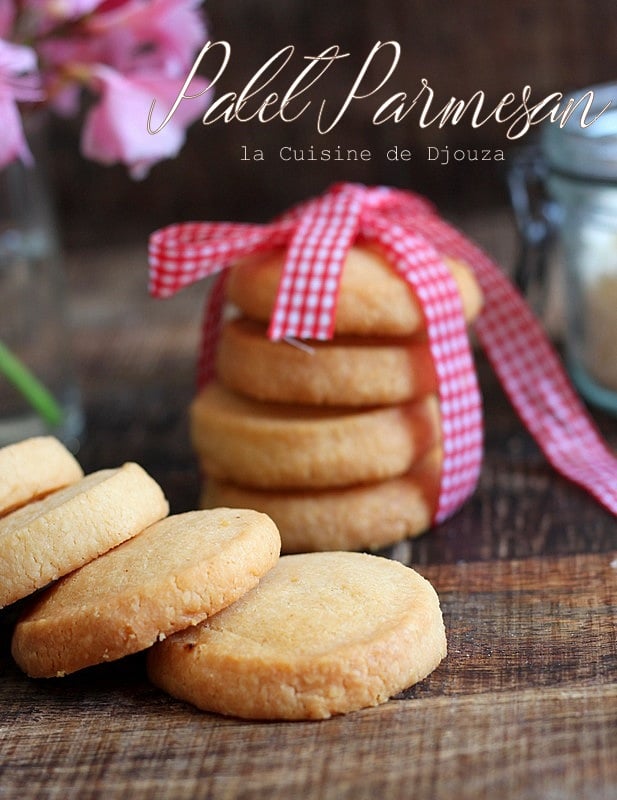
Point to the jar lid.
(585, 152)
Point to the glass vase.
(39, 394)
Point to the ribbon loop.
(181, 254)
(532, 375)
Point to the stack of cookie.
(228, 625)
(338, 441)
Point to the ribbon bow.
(414, 239)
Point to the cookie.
(364, 517)
(351, 371)
(274, 445)
(33, 468)
(373, 300)
(173, 575)
(322, 634)
(51, 537)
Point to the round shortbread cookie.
(347, 371)
(365, 517)
(322, 634)
(273, 445)
(33, 468)
(173, 575)
(51, 537)
(373, 300)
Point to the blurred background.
(135, 356)
(459, 46)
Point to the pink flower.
(18, 82)
(133, 35)
(127, 52)
(50, 11)
(148, 34)
(115, 129)
(69, 9)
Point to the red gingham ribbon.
(415, 239)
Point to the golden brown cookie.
(347, 371)
(274, 445)
(373, 299)
(322, 634)
(174, 574)
(364, 517)
(33, 468)
(51, 537)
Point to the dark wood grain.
(525, 705)
(523, 708)
(538, 622)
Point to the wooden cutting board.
(524, 706)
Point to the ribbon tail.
(533, 377)
(421, 266)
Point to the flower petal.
(159, 34)
(115, 129)
(16, 59)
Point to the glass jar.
(576, 166)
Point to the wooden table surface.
(524, 706)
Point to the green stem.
(30, 387)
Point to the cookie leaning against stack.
(174, 574)
(307, 432)
(32, 469)
(47, 538)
